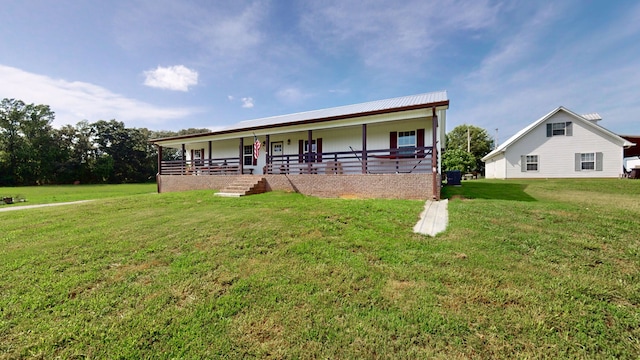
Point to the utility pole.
(496, 142)
(468, 140)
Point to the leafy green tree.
(42, 153)
(33, 152)
(475, 139)
(128, 150)
(11, 142)
(28, 150)
(457, 159)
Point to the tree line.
(33, 152)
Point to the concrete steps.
(244, 185)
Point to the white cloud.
(177, 77)
(291, 95)
(527, 75)
(247, 102)
(224, 35)
(73, 101)
(387, 34)
(230, 34)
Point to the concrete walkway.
(433, 219)
(22, 207)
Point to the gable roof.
(582, 119)
(411, 102)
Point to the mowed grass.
(536, 269)
(64, 193)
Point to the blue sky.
(169, 65)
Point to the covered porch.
(410, 160)
(387, 138)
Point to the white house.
(561, 144)
(386, 148)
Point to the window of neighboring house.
(248, 154)
(406, 139)
(559, 129)
(588, 161)
(532, 162)
(197, 154)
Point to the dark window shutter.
(420, 141)
(598, 161)
(568, 129)
(319, 150)
(549, 130)
(578, 167)
(300, 150)
(393, 140)
(523, 163)
(202, 157)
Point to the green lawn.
(63, 193)
(526, 269)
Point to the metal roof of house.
(502, 147)
(340, 111)
(426, 100)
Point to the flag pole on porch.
(256, 147)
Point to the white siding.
(495, 167)
(556, 154)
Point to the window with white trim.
(531, 162)
(560, 129)
(314, 147)
(197, 154)
(248, 155)
(588, 161)
(591, 161)
(406, 139)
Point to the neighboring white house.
(561, 144)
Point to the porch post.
(309, 147)
(183, 155)
(434, 153)
(210, 155)
(241, 154)
(266, 153)
(364, 148)
(159, 159)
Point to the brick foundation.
(386, 186)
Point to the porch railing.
(380, 161)
(216, 166)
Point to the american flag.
(256, 149)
